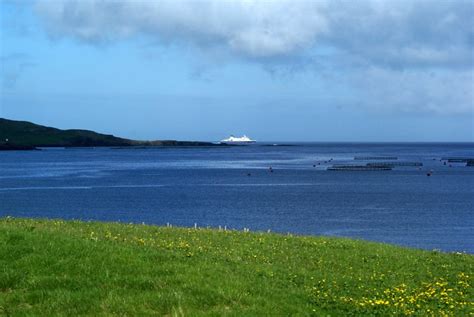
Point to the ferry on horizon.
(236, 140)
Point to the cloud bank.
(355, 37)
(424, 32)
(252, 28)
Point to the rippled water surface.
(233, 186)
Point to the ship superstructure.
(238, 140)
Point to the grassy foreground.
(55, 267)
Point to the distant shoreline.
(13, 147)
(23, 135)
(27, 136)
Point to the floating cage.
(460, 160)
(338, 167)
(468, 160)
(393, 164)
(375, 158)
(457, 159)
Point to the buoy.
(248, 174)
(314, 165)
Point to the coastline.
(23, 135)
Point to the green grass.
(21, 134)
(70, 268)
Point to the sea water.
(234, 186)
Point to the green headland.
(72, 268)
(23, 135)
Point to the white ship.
(236, 140)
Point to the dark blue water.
(211, 187)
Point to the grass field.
(70, 268)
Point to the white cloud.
(418, 31)
(386, 49)
(254, 28)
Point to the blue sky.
(280, 70)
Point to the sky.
(328, 70)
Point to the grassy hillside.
(24, 135)
(81, 268)
(30, 134)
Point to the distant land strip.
(23, 135)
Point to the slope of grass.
(29, 134)
(23, 135)
(69, 268)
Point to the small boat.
(238, 140)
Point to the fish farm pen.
(468, 160)
(393, 164)
(457, 159)
(358, 168)
(375, 158)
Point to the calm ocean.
(233, 187)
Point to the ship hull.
(237, 142)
